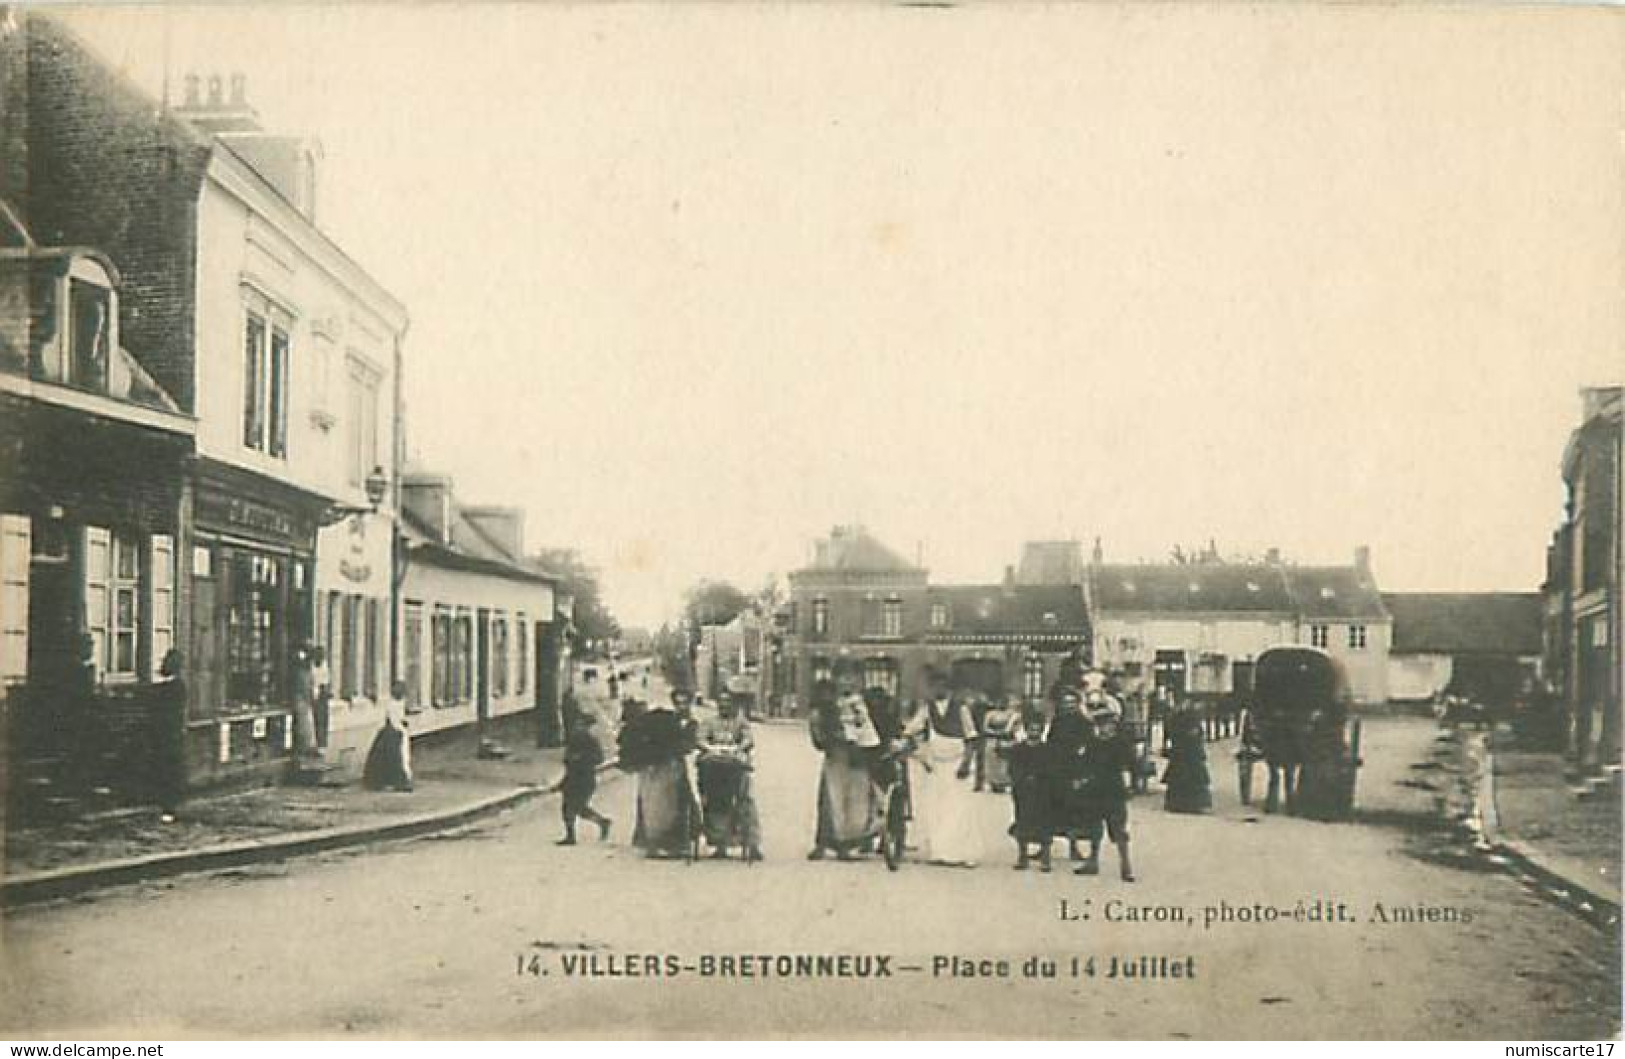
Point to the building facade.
(481, 633)
(1582, 591)
(279, 348)
(1485, 646)
(1197, 628)
(93, 500)
(860, 605)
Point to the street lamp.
(376, 486)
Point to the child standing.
(1103, 797)
(1030, 792)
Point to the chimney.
(504, 525)
(1273, 557)
(1009, 577)
(427, 497)
(1362, 559)
(1098, 556)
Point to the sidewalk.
(452, 785)
(1539, 816)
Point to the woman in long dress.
(943, 826)
(848, 804)
(656, 745)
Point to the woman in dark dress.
(1189, 787)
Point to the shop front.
(252, 569)
(90, 515)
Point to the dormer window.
(1195, 587)
(90, 333)
(1328, 592)
(1252, 586)
(63, 310)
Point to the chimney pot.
(239, 89)
(214, 90)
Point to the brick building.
(860, 604)
(276, 347)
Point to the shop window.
(499, 656)
(254, 613)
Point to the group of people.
(693, 778)
(1070, 767)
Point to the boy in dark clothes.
(1029, 760)
(582, 756)
(1103, 791)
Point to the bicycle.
(897, 806)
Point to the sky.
(692, 284)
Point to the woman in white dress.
(944, 808)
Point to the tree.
(671, 653)
(712, 603)
(592, 619)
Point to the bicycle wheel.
(895, 836)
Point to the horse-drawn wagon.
(1301, 710)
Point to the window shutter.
(15, 546)
(161, 597)
(98, 553)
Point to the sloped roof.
(1335, 592)
(994, 610)
(1466, 622)
(1251, 587)
(852, 549)
(469, 549)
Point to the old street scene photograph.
(822, 521)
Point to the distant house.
(860, 605)
(1197, 628)
(1483, 645)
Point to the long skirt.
(848, 804)
(944, 805)
(730, 816)
(1189, 787)
(667, 821)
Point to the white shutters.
(15, 548)
(161, 597)
(98, 553)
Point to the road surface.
(477, 935)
